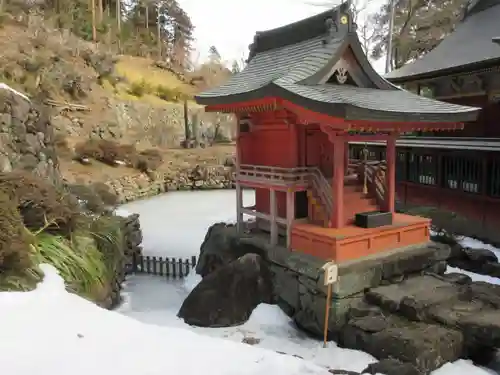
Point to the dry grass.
(138, 69)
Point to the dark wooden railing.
(169, 267)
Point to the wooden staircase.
(317, 211)
(355, 201)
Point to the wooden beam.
(366, 138)
(263, 216)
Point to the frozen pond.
(174, 224)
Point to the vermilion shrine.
(307, 91)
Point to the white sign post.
(330, 276)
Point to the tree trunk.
(94, 30)
(158, 30)
(100, 14)
(186, 124)
(147, 18)
(119, 24)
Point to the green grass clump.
(78, 261)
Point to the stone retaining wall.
(26, 136)
(130, 242)
(198, 178)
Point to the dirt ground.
(174, 159)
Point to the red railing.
(273, 175)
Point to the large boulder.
(220, 247)
(227, 296)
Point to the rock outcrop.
(221, 247)
(26, 136)
(228, 295)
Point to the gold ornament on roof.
(343, 20)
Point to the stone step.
(385, 336)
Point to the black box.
(373, 219)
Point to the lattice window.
(422, 169)
(493, 174)
(401, 166)
(462, 173)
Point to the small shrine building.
(307, 91)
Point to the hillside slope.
(94, 94)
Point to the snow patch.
(61, 333)
(122, 212)
(4, 86)
(191, 280)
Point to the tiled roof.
(470, 44)
(294, 71)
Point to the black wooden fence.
(175, 268)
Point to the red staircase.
(355, 201)
(320, 200)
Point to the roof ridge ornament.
(331, 29)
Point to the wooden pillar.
(290, 216)
(390, 175)
(338, 182)
(346, 156)
(239, 207)
(273, 214)
(294, 145)
(239, 190)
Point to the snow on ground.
(155, 300)
(476, 244)
(4, 86)
(51, 332)
(175, 225)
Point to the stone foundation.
(398, 306)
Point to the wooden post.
(239, 207)
(327, 313)
(390, 174)
(274, 224)
(290, 216)
(294, 145)
(346, 156)
(237, 161)
(338, 182)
